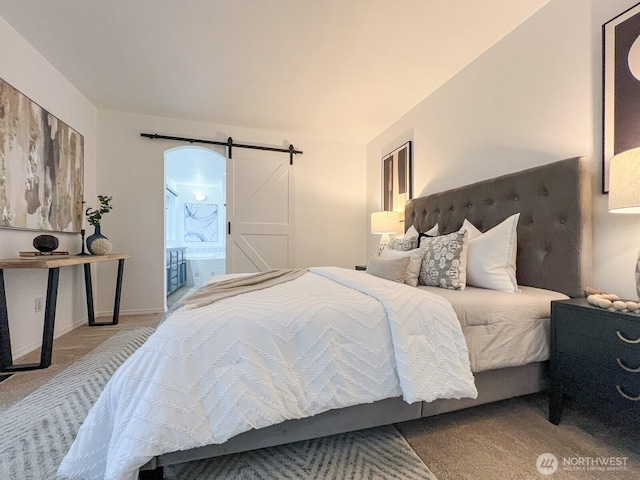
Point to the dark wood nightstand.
(595, 356)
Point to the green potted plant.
(97, 243)
(94, 217)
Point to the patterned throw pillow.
(444, 261)
(403, 244)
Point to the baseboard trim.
(150, 311)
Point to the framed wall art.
(41, 167)
(621, 86)
(200, 222)
(397, 178)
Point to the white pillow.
(411, 232)
(388, 268)
(413, 269)
(433, 231)
(491, 256)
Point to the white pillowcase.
(491, 256)
(411, 232)
(413, 268)
(433, 231)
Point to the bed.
(553, 237)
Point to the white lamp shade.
(624, 182)
(385, 222)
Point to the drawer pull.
(635, 399)
(628, 369)
(626, 340)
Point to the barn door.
(259, 212)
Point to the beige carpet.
(503, 441)
(66, 349)
(491, 442)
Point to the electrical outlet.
(196, 274)
(38, 305)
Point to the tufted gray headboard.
(554, 229)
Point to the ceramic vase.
(92, 238)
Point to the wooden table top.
(61, 261)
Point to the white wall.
(25, 69)
(534, 98)
(329, 198)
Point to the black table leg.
(89, 289)
(49, 317)
(116, 302)
(7, 366)
(6, 358)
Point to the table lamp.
(624, 189)
(385, 223)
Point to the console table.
(53, 265)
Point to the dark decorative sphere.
(45, 243)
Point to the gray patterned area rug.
(38, 431)
(376, 453)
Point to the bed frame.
(554, 245)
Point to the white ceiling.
(342, 69)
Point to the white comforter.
(289, 351)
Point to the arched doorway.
(195, 218)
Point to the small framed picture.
(397, 178)
(621, 86)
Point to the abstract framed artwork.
(200, 222)
(41, 167)
(621, 86)
(397, 178)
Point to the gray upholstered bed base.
(493, 385)
(554, 239)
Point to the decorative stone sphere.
(101, 246)
(45, 243)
